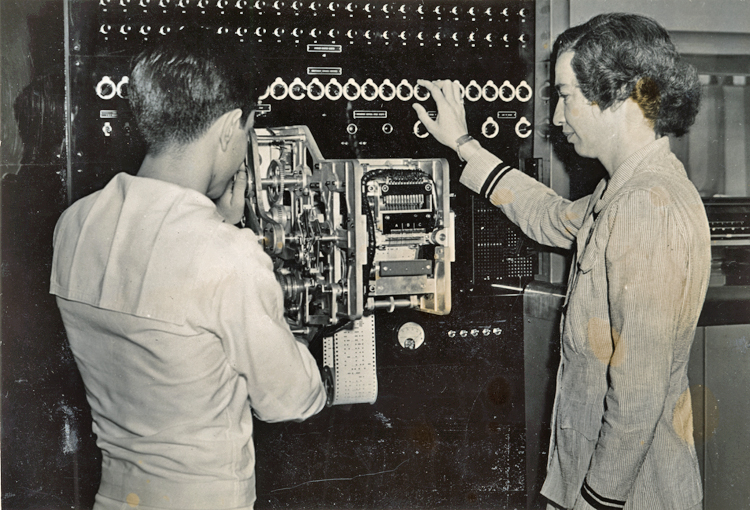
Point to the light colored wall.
(681, 15)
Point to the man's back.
(176, 323)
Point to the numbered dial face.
(410, 335)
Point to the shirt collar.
(626, 170)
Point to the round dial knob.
(410, 335)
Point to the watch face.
(410, 335)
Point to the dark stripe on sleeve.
(493, 178)
(600, 502)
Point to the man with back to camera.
(622, 432)
(173, 314)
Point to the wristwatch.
(459, 142)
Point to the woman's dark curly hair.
(620, 55)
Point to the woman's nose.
(558, 119)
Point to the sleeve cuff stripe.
(599, 502)
(492, 179)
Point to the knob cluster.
(388, 90)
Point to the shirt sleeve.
(541, 213)
(646, 264)
(283, 379)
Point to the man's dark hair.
(619, 55)
(180, 86)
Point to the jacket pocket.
(584, 418)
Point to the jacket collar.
(629, 167)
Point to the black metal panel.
(447, 430)
(448, 427)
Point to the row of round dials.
(411, 335)
(108, 88)
(367, 36)
(387, 90)
(314, 7)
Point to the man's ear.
(228, 123)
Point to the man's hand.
(231, 204)
(450, 123)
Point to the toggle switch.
(369, 90)
(473, 91)
(333, 89)
(523, 91)
(387, 90)
(507, 91)
(490, 128)
(106, 88)
(419, 130)
(297, 89)
(404, 90)
(265, 94)
(352, 90)
(122, 87)
(489, 91)
(523, 127)
(279, 89)
(315, 90)
(421, 93)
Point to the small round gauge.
(410, 335)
